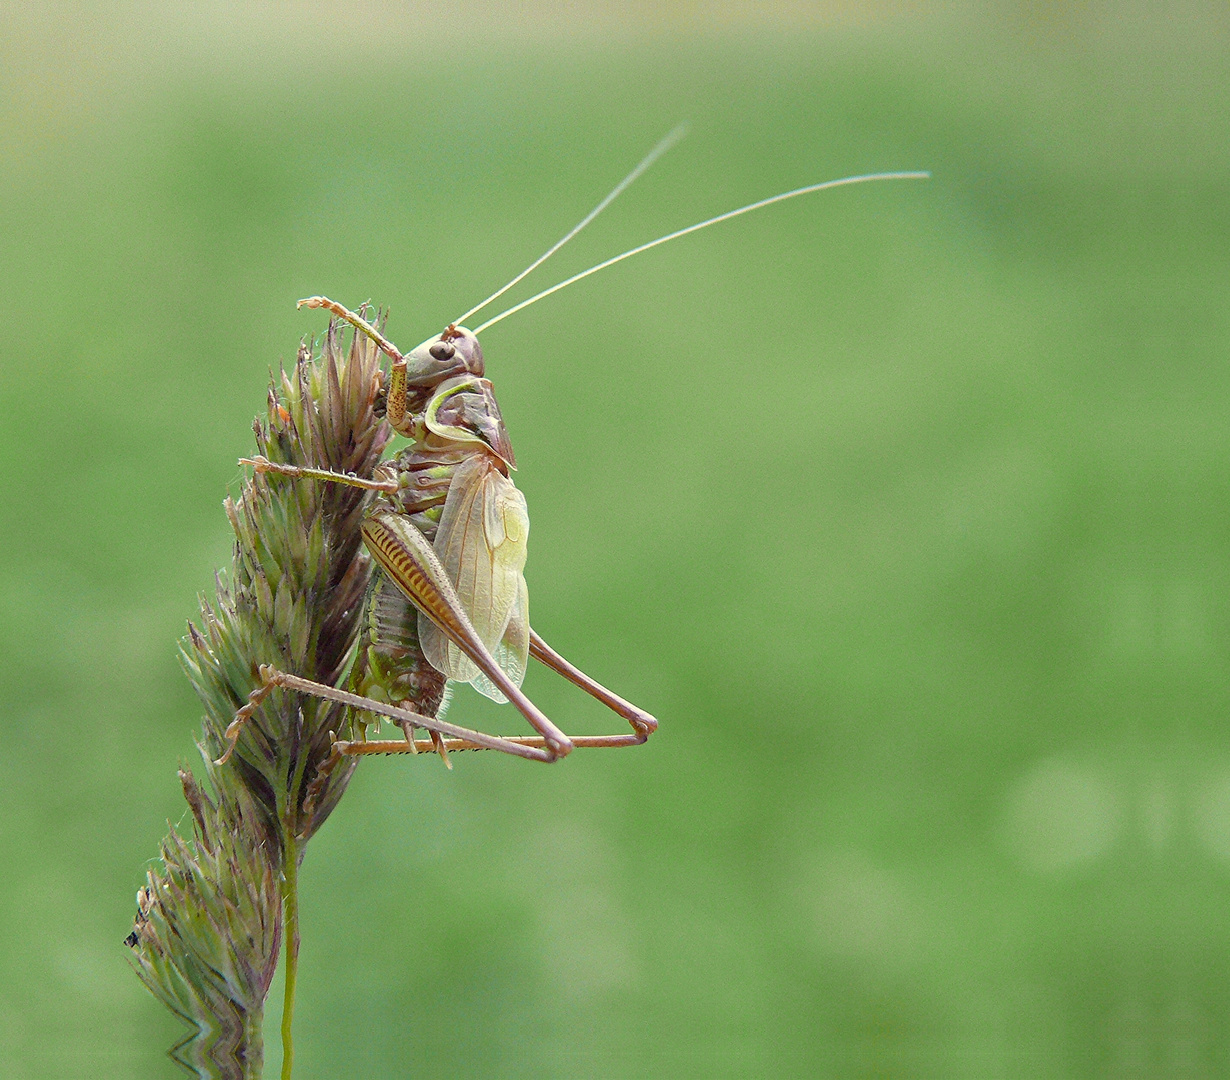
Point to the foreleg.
(264, 465)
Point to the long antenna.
(648, 160)
(695, 228)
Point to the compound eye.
(442, 350)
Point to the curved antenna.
(648, 160)
(695, 228)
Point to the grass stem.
(290, 900)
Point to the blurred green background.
(904, 507)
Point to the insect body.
(448, 532)
(454, 489)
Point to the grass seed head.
(209, 919)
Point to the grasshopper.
(447, 529)
(448, 600)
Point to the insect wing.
(513, 650)
(481, 543)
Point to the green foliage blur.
(904, 507)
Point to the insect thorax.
(424, 475)
(462, 421)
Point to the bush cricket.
(447, 529)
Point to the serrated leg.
(271, 677)
(357, 321)
(445, 737)
(396, 401)
(300, 472)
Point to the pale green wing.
(513, 651)
(481, 543)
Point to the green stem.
(290, 900)
(290, 907)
